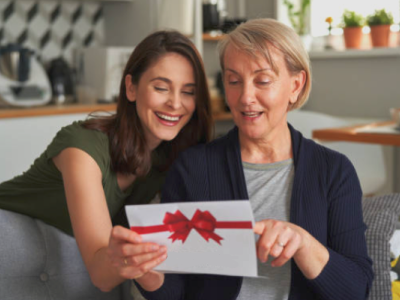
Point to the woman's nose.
(175, 101)
(247, 95)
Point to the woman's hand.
(132, 258)
(284, 240)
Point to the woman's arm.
(348, 273)
(284, 240)
(103, 248)
(342, 268)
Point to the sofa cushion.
(41, 262)
(381, 214)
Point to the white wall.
(27, 138)
(357, 87)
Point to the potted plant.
(328, 42)
(352, 29)
(380, 22)
(299, 18)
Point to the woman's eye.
(233, 82)
(263, 82)
(188, 93)
(161, 89)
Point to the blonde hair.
(256, 36)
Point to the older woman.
(306, 198)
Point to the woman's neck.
(277, 146)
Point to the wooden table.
(352, 134)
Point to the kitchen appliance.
(214, 13)
(23, 80)
(211, 19)
(175, 14)
(101, 69)
(62, 81)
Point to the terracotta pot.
(352, 37)
(380, 35)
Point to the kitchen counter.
(51, 110)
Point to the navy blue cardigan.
(326, 201)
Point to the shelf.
(211, 37)
(223, 116)
(355, 53)
(51, 110)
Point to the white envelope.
(229, 249)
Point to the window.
(321, 9)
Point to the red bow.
(203, 222)
(180, 226)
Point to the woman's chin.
(167, 136)
(251, 133)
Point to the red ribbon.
(203, 222)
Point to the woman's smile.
(251, 115)
(168, 119)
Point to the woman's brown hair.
(128, 148)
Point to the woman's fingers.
(137, 260)
(278, 239)
(125, 243)
(119, 254)
(134, 272)
(270, 231)
(259, 227)
(136, 249)
(287, 251)
(122, 234)
(131, 257)
(282, 239)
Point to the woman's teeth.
(167, 118)
(251, 114)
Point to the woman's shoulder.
(75, 135)
(321, 156)
(320, 151)
(311, 148)
(76, 130)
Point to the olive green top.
(39, 192)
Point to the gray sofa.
(39, 262)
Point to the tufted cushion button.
(44, 277)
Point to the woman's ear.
(130, 88)
(298, 82)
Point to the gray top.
(270, 188)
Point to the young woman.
(85, 175)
